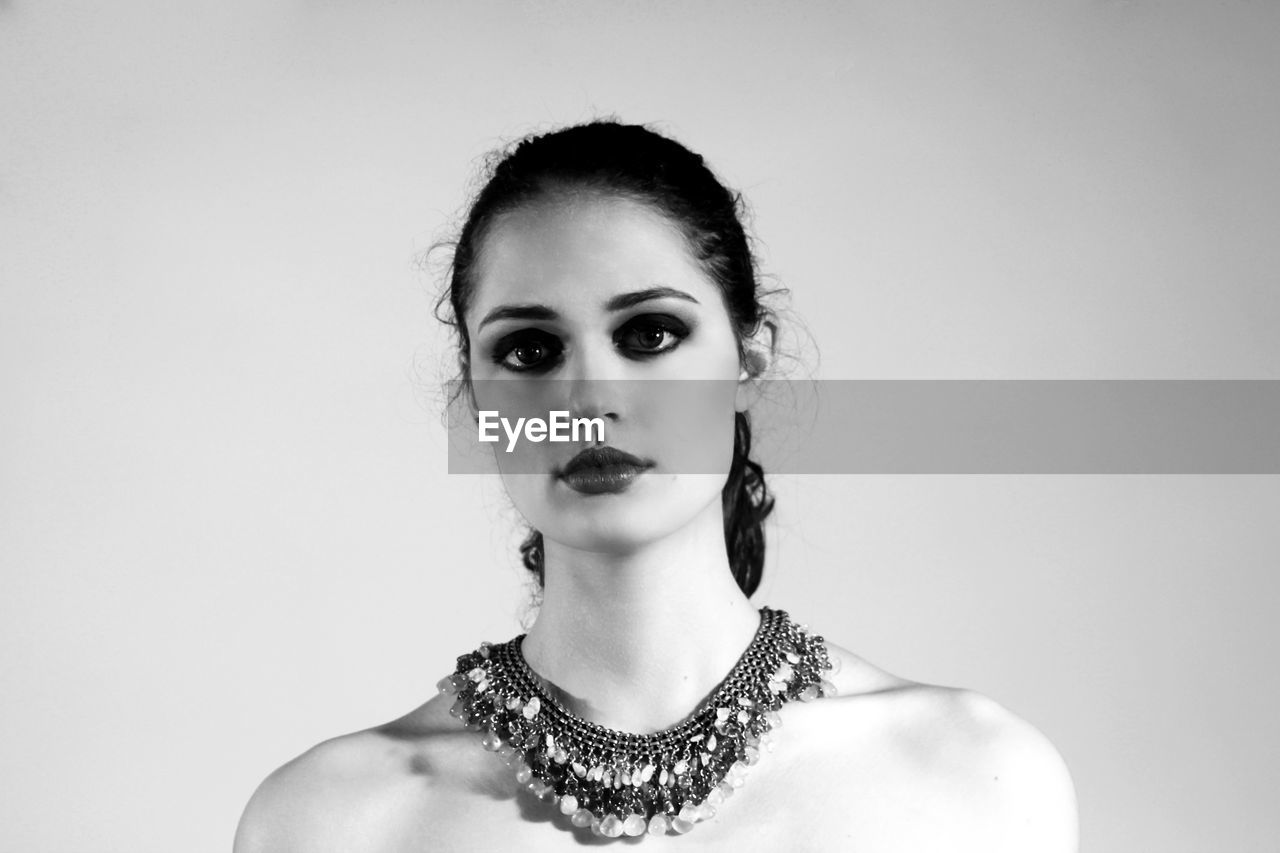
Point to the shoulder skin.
(320, 801)
(977, 776)
(992, 777)
(352, 793)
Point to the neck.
(636, 641)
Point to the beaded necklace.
(619, 783)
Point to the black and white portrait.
(925, 357)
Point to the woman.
(650, 700)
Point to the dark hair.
(634, 162)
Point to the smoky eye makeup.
(526, 350)
(640, 336)
(648, 334)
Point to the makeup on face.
(540, 347)
(599, 310)
(602, 470)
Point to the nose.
(594, 376)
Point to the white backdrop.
(225, 528)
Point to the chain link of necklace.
(618, 783)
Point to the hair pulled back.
(633, 162)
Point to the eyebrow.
(627, 300)
(617, 303)
(518, 312)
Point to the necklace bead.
(622, 784)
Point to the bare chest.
(827, 785)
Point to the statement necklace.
(618, 783)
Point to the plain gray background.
(225, 528)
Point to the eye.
(527, 350)
(651, 334)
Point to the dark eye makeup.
(650, 334)
(640, 337)
(531, 350)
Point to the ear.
(758, 353)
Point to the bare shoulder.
(343, 793)
(971, 758)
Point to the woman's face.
(580, 304)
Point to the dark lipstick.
(602, 470)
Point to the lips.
(602, 470)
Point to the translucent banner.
(538, 426)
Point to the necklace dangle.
(622, 784)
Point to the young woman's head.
(604, 253)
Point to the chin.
(654, 507)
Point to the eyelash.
(504, 352)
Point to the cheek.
(518, 416)
(714, 353)
(687, 425)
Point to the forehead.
(582, 249)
